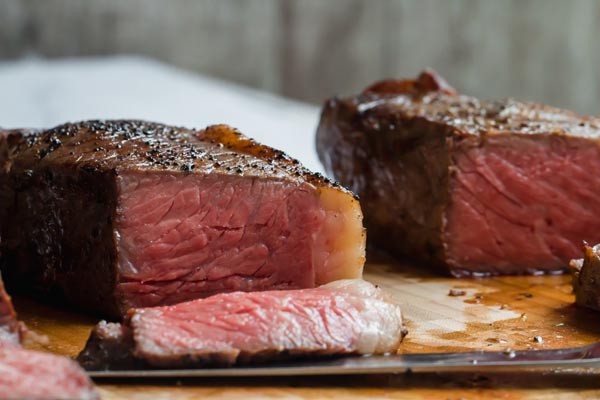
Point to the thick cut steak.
(343, 317)
(121, 214)
(476, 187)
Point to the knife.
(568, 358)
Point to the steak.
(118, 214)
(27, 374)
(474, 187)
(343, 317)
(586, 278)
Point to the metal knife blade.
(568, 358)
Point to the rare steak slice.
(475, 187)
(586, 278)
(343, 317)
(119, 214)
(27, 374)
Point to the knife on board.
(508, 360)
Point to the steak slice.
(27, 374)
(475, 187)
(586, 278)
(343, 317)
(120, 214)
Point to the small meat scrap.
(586, 277)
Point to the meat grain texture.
(339, 318)
(474, 187)
(27, 374)
(118, 214)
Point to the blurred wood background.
(542, 50)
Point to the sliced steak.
(121, 214)
(27, 374)
(476, 187)
(342, 317)
(586, 278)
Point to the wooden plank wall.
(543, 50)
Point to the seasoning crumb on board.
(509, 353)
(456, 292)
(524, 317)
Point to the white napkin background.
(38, 93)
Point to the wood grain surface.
(490, 314)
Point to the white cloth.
(38, 93)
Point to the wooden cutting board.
(442, 314)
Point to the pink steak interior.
(523, 204)
(187, 236)
(252, 322)
(28, 374)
